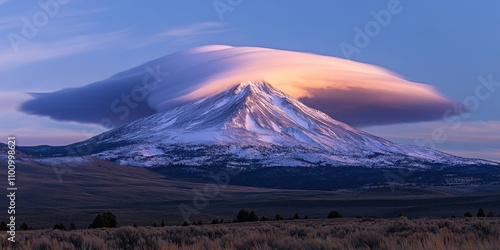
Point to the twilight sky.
(449, 45)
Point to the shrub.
(490, 214)
(367, 240)
(278, 217)
(245, 215)
(480, 213)
(242, 216)
(334, 214)
(107, 219)
(297, 234)
(253, 216)
(3, 226)
(72, 226)
(59, 226)
(467, 214)
(24, 227)
(296, 216)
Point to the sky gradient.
(450, 45)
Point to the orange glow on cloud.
(356, 93)
(297, 74)
(301, 75)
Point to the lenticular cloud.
(355, 93)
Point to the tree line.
(251, 216)
(109, 220)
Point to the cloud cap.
(356, 93)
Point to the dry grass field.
(344, 233)
(76, 193)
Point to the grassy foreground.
(344, 233)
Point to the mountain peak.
(250, 113)
(246, 121)
(253, 87)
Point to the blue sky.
(446, 44)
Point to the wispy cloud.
(196, 29)
(3, 1)
(46, 131)
(83, 12)
(193, 32)
(29, 133)
(11, 101)
(489, 154)
(67, 33)
(476, 139)
(9, 23)
(43, 51)
(187, 34)
(64, 18)
(471, 131)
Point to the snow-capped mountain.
(254, 123)
(188, 75)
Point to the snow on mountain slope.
(254, 122)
